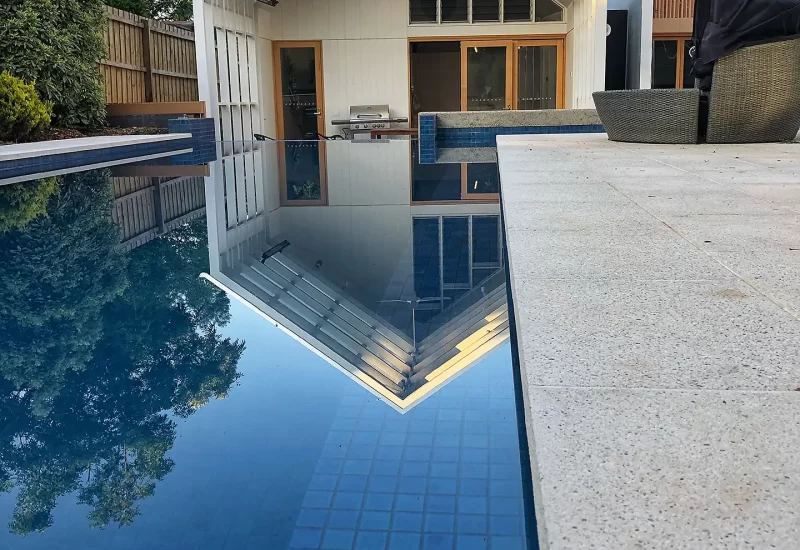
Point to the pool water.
(192, 362)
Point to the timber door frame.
(561, 68)
(277, 45)
(508, 45)
(681, 39)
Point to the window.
(423, 11)
(672, 64)
(483, 11)
(454, 11)
(517, 10)
(486, 10)
(547, 10)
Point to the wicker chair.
(650, 116)
(755, 95)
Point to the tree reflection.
(128, 344)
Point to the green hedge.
(57, 44)
(21, 203)
(22, 113)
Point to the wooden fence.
(146, 207)
(148, 60)
(673, 9)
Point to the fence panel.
(147, 60)
(673, 9)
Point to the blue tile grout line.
(48, 163)
(432, 139)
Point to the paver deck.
(656, 292)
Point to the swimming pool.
(210, 362)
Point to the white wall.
(586, 44)
(365, 46)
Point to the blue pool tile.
(305, 538)
(369, 424)
(357, 466)
(504, 488)
(476, 428)
(312, 517)
(417, 453)
(348, 501)
(317, 499)
(441, 503)
(360, 451)
(447, 440)
(420, 439)
(475, 455)
(409, 503)
(412, 485)
(378, 501)
(505, 506)
(371, 540)
(386, 467)
(339, 438)
(444, 469)
(369, 438)
(383, 484)
(334, 451)
(344, 424)
(420, 427)
(404, 541)
(447, 427)
(472, 505)
(343, 519)
(323, 482)
(472, 524)
(442, 486)
(389, 452)
(474, 470)
(392, 438)
(474, 486)
(439, 523)
(476, 440)
(446, 454)
(414, 469)
(437, 541)
(471, 542)
(337, 539)
(407, 521)
(352, 483)
(505, 525)
(507, 543)
(375, 521)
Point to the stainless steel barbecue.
(366, 118)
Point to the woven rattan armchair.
(755, 95)
(650, 116)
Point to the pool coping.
(618, 493)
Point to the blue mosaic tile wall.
(427, 139)
(203, 132)
(487, 137)
(445, 476)
(432, 138)
(47, 163)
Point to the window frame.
(681, 39)
(501, 20)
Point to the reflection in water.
(100, 350)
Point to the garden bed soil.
(71, 133)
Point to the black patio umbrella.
(723, 26)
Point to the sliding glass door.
(486, 75)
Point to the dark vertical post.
(147, 47)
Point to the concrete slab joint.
(656, 291)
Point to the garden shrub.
(57, 44)
(22, 113)
(21, 203)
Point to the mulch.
(70, 133)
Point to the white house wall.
(365, 46)
(587, 52)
